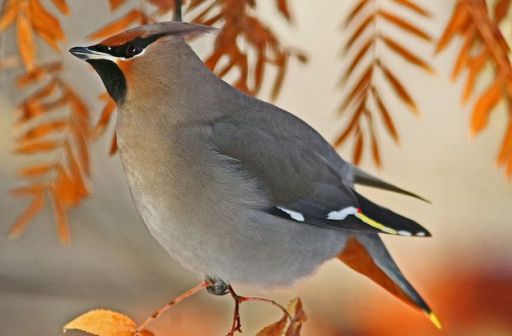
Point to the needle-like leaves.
(483, 44)
(363, 101)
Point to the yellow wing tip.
(435, 321)
(369, 221)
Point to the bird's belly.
(212, 224)
(240, 246)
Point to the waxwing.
(237, 190)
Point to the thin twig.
(237, 325)
(166, 307)
(177, 10)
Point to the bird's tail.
(366, 254)
(363, 178)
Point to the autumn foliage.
(55, 124)
(483, 44)
(103, 322)
(367, 22)
(55, 120)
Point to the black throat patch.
(112, 77)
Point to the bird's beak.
(85, 53)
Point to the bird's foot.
(217, 286)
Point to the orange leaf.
(83, 149)
(484, 105)
(459, 19)
(406, 54)
(352, 124)
(282, 7)
(44, 92)
(358, 148)
(10, 12)
(45, 24)
(356, 10)
(506, 146)
(28, 191)
(501, 9)
(105, 117)
(114, 4)
(357, 59)
(62, 6)
(259, 72)
(118, 25)
(376, 150)
(508, 170)
(414, 7)
(113, 145)
(38, 73)
(274, 329)
(80, 188)
(386, 116)
(33, 209)
(45, 129)
(36, 170)
(399, 89)
(298, 315)
(78, 107)
(279, 80)
(25, 39)
(401, 23)
(33, 109)
(35, 147)
(102, 322)
(475, 69)
(61, 216)
(359, 89)
(465, 52)
(358, 32)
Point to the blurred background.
(464, 271)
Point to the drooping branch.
(364, 100)
(483, 44)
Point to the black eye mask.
(127, 50)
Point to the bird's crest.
(156, 30)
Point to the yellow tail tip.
(433, 318)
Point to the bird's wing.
(298, 177)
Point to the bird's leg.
(164, 308)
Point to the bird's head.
(127, 57)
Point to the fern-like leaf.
(364, 101)
(483, 44)
(64, 137)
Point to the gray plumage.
(232, 187)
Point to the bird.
(236, 189)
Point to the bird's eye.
(132, 50)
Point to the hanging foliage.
(364, 102)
